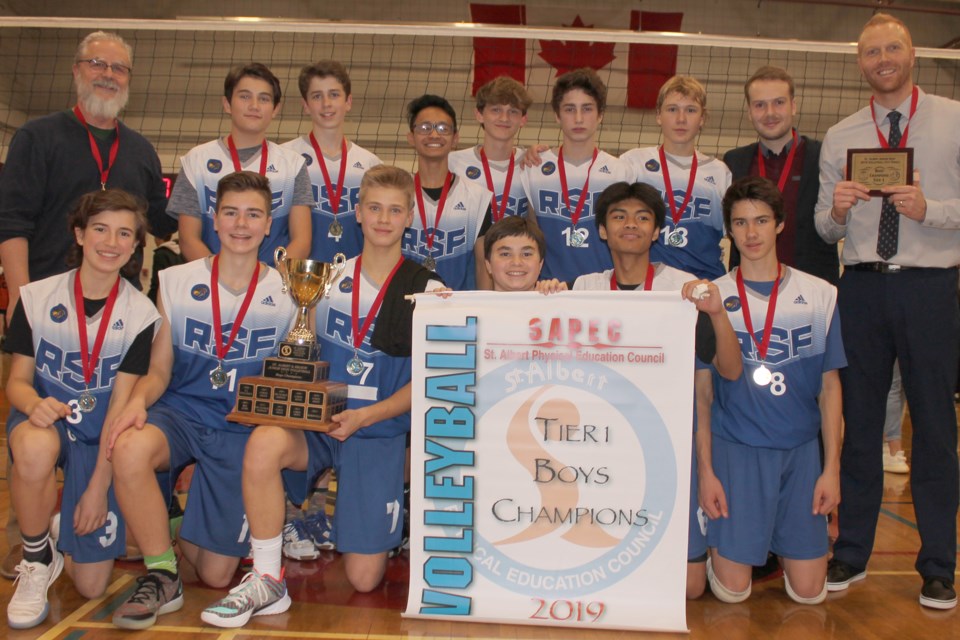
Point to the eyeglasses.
(442, 128)
(100, 66)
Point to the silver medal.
(762, 376)
(577, 237)
(336, 229)
(355, 366)
(86, 402)
(218, 377)
(677, 238)
(430, 263)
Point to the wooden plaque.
(288, 403)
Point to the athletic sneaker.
(256, 595)
(29, 606)
(297, 544)
(894, 462)
(157, 593)
(938, 593)
(840, 575)
(320, 530)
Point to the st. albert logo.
(346, 284)
(548, 168)
(214, 165)
(58, 314)
(199, 292)
(308, 158)
(473, 172)
(732, 303)
(652, 165)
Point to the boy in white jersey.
(563, 189)
(450, 211)
(628, 219)
(251, 97)
(764, 459)
(365, 321)
(494, 164)
(335, 164)
(62, 392)
(221, 316)
(691, 183)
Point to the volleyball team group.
(793, 365)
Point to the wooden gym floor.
(324, 606)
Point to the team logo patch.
(200, 292)
(548, 168)
(732, 303)
(346, 284)
(58, 314)
(308, 158)
(652, 165)
(118, 325)
(472, 172)
(214, 165)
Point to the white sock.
(817, 599)
(267, 556)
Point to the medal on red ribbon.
(87, 402)
(219, 376)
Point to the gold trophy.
(294, 390)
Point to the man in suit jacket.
(791, 162)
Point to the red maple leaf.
(566, 56)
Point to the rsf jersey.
(665, 278)
(187, 301)
(467, 163)
(805, 343)
(50, 309)
(350, 242)
(692, 244)
(205, 164)
(571, 252)
(455, 235)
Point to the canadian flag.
(644, 67)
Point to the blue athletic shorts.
(214, 518)
(78, 460)
(770, 497)
(369, 512)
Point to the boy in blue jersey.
(221, 316)
(62, 392)
(365, 332)
(761, 456)
(251, 97)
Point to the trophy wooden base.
(287, 403)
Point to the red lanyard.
(675, 213)
(423, 212)
(785, 174)
(236, 156)
(88, 361)
(913, 109)
(114, 147)
(360, 332)
(498, 212)
(771, 309)
(223, 349)
(584, 194)
(333, 197)
(647, 283)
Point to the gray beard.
(98, 107)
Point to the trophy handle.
(280, 260)
(339, 263)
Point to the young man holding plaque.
(628, 219)
(451, 211)
(251, 97)
(762, 482)
(335, 164)
(898, 299)
(692, 183)
(365, 331)
(220, 317)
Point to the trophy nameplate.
(294, 390)
(880, 168)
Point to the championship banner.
(551, 447)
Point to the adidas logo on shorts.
(799, 300)
(268, 301)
